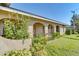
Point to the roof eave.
(35, 16)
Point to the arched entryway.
(38, 29)
(50, 29)
(57, 29)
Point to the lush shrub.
(38, 45)
(20, 33)
(68, 31)
(18, 53)
(8, 29)
(55, 35)
(16, 29)
(71, 31)
(5, 4)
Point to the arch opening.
(50, 29)
(38, 29)
(57, 29)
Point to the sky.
(57, 11)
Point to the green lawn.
(68, 45)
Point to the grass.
(67, 45)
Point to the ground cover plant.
(18, 53)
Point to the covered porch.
(36, 28)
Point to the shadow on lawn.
(72, 38)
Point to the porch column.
(46, 30)
(30, 31)
(61, 30)
(54, 26)
(64, 30)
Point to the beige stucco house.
(36, 25)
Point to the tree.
(5, 4)
(75, 23)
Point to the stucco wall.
(1, 28)
(32, 21)
(45, 23)
(8, 44)
(61, 30)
